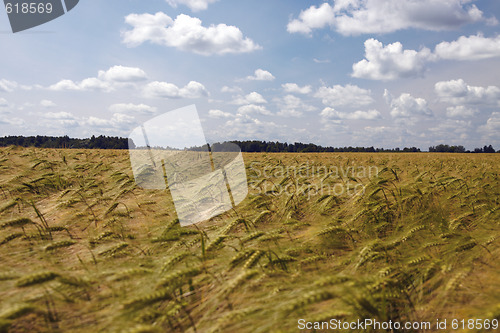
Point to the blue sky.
(387, 73)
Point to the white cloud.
(118, 120)
(58, 119)
(469, 48)
(98, 122)
(252, 108)
(294, 88)
(47, 103)
(461, 111)
(245, 127)
(391, 61)
(460, 93)
(318, 61)
(93, 83)
(354, 17)
(7, 86)
(330, 113)
(407, 106)
(194, 5)
(349, 96)
(3, 103)
(312, 18)
(292, 106)
(25, 105)
(492, 127)
(451, 129)
(105, 81)
(227, 89)
(193, 90)
(122, 74)
(251, 98)
(132, 108)
(11, 121)
(186, 33)
(219, 114)
(59, 115)
(119, 123)
(169, 90)
(261, 75)
(84, 85)
(64, 85)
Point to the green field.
(347, 236)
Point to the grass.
(401, 237)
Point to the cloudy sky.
(383, 73)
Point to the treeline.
(254, 146)
(298, 147)
(39, 141)
(442, 148)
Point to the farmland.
(401, 237)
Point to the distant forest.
(109, 142)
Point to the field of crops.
(401, 237)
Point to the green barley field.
(345, 236)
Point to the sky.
(383, 73)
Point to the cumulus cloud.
(246, 127)
(95, 84)
(219, 114)
(292, 106)
(227, 89)
(406, 106)
(105, 81)
(118, 120)
(261, 75)
(348, 96)
(354, 17)
(65, 119)
(186, 33)
(252, 108)
(194, 5)
(451, 130)
(59, 115)
(4, 120)
(169, 90)
(64, 85)
(122, 74)
(458, 92)
(492, 127)
(132, 108)
(84, 85)
(461, 111)
(469, 48)
(3, 103)
(294, 88)
(330, 113)
(47, 103)
(391, 61)
(312, 18)
(251, 98)
(7, 86)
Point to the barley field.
(401, 237)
